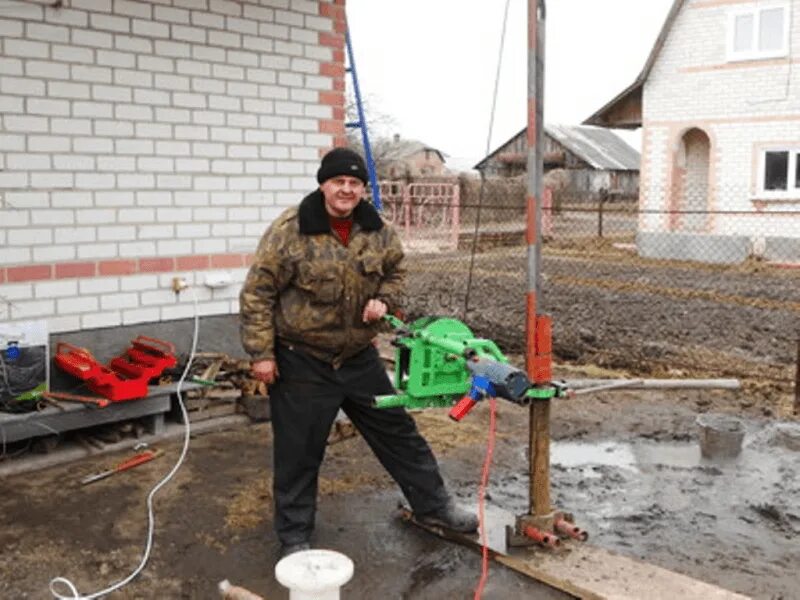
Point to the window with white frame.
(780, 173)
(761, 31)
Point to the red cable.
(482, 499)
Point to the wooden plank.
(539, 447)
(211, 411)
(582, 570)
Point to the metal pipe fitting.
(545, 539)
(571, 530)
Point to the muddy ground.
(626, 463)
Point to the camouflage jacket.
(308, 290)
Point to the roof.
(634, 91)
(600, 148)
(402, 149)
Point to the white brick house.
(719, 104)
(142, 140)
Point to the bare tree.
(380, 127)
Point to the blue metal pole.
(362, 123)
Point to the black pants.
(304, 403)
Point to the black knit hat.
(342, 161)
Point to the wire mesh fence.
(657, 286)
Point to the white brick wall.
(134, 129)
(739, 105)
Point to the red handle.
(99, 402)
(136, 460)
(462, 407)
(165, 347)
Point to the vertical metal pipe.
(456, 220)
(539, 442)
(797, 382)
(600, 207)
(407, 210)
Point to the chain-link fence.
(663, 287)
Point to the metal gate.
(426, 215)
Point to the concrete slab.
(714, 249)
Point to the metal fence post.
(600, 207)
(456, 215)
(797, 382)
(407, 208)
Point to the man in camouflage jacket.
(324, 275)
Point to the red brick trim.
(122, 267)
(335, 69)
(117, 267)
(192, 263)
(70, 270)
(227, 261)
(156, 265)
(29, 273)
(331, 69)
(334, 11)
(333, 40)
(335, 99)
(331, 126)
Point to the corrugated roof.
(601, 148)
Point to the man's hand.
(265, 370)
(374, 310)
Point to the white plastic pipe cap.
(314, 574)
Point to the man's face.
(342, 193)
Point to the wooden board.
(583, 570)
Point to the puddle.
(639, 456)
(667, 501)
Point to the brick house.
(717, 102)
(400, 158)
(142, 140)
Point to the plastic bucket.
(721, 436)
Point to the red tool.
(64, 397)
(126, 377)
(129, 463)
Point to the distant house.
(592, 160)
(721, 132)
(399, 158)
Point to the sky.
(431, 65)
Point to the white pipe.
(610, 385)
(654, 384)
(314, 574)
